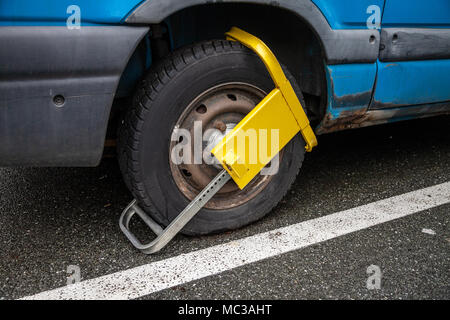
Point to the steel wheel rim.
(223, 104)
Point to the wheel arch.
(357, 47)
(303, 55)
(280, 24)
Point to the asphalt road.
(51, 218)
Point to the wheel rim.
(219, 108)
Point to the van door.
(414, 61)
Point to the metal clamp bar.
(167, 234)
(279, 79)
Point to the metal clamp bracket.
(280, 110)
(164, 236)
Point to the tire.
(145, 134)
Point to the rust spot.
(346, 120)
(352, 100)
(220, 125)
(350, 119)
(384, 105)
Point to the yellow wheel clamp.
(275, 121)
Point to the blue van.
(76, 75)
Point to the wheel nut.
(220, 126)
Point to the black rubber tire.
(144, 135)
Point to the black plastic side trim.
(340, 46)
(84, 67)
(403, 44)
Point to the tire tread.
(130, 128)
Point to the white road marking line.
(429, 231)
(160, 275)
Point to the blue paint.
(413, 82)
(54, 12)
(347, 14)
(352, 14)
(417, 13)
(349, 87)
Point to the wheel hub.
(216, 136)
(218, 110)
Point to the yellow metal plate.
(253, 143)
